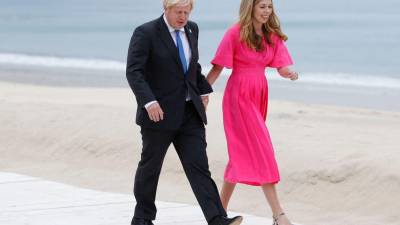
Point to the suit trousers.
(190, 143)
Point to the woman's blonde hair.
(171, 3)
(247, 31)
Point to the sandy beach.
(339, 165)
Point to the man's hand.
(155, 112)
(205, 100)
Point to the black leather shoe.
(221, 220)
(139, 221)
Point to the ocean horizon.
(340, 44)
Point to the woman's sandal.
(276, 218)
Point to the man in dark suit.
(172, 94)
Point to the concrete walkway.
(27, 200)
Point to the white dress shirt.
(185, 41)
(186, 50)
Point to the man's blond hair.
(171, 3)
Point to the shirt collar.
(170, 28)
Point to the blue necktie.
(181, 51)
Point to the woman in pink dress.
(248, 47)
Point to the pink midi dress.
(245, 103)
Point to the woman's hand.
(205, 100)
(293, 75)
(286, 72)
